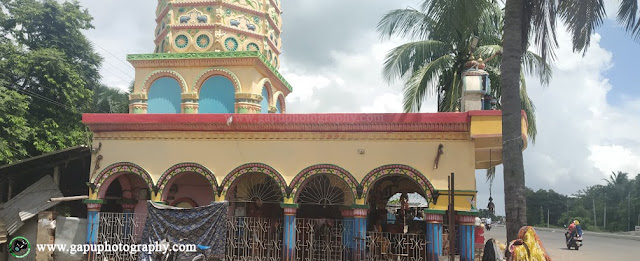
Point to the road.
(595, 247)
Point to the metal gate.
(256, 239)
(119, 228)
(382, 246)
(323, 239)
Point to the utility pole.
(547, 218)
(452, 221)
(594, 213)
(605, 211)
(629, 211)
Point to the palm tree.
(535, 21)
(433, 62)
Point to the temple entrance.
(188, 190)
(396, 230)
(123, 215)
(254, 226)
(322, 232)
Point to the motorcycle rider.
(573, 229)
(488, 224)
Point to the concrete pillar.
(466, 234)
(138, 103)
(189, 103)
(360, 231)
(93, 219)
(289, 233)
(348, 232)
(434, 219)
(248, 103)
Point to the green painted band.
(289, 205)
(93, 201)
(209, 55)
(468, 213)
(434, 211)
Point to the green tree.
(535, 22)
(110, 100)
(50, 69)
(432, 63)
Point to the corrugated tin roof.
(45, 160)
(29, 203)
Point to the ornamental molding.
(218, 71)
(132, 135)
(207, 59)
(153, 76)
(266, 124)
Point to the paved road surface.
(595, 247)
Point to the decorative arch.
(279, 97)
(265, 88)
(204, 76)
(395, 170)
(186, 167)
(116, 169)
(253, 168)
(308, 172)
(152, 77)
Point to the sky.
(588, 117)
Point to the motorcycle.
(488, 227)
(573, 240)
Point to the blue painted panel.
(164, 96)
(264, 104)
(217, 95)
(279, 107)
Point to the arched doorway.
(255, 223)
(396, 218)
(123, 214)
(322, 231)
(255, 195)
(188, 190)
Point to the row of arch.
(215, 89)
(359, 189)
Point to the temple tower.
(212, 56)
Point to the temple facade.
(208, 123)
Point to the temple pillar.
(248, 103)
(289, 232)
(348, 231)
(434, 219)
(138, 103)
(189, 103)
(93, 219)
(466, 235)
(360, 231)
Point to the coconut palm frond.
(423, 82)
(533, 64)
(408, 58)
(582, 17)
(408, 22)
(529, 109)
(629, 17)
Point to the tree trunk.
(514, 189)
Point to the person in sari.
(527, 247)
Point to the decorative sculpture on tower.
(212, 56)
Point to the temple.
(208, 123)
